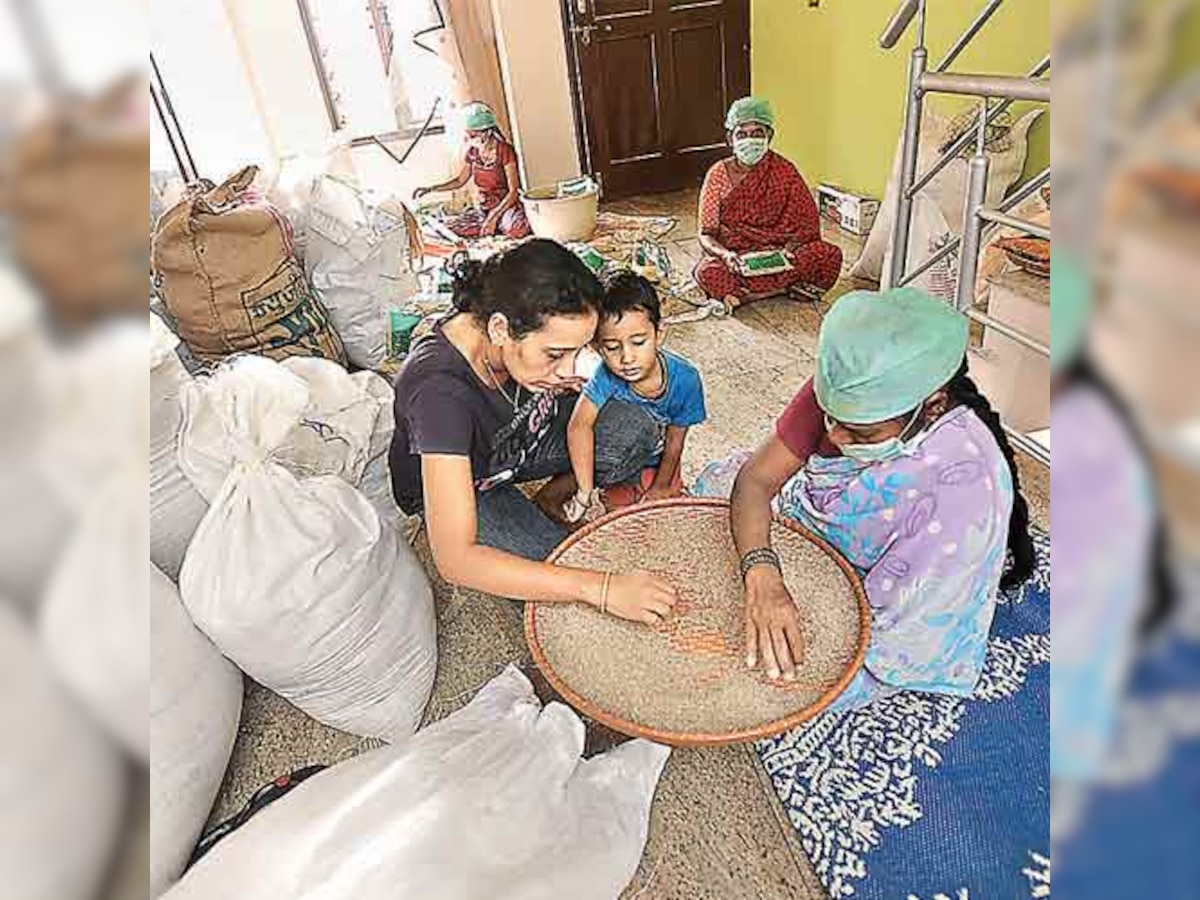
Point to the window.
(377, 73)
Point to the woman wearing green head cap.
(756, 201)
(490, 163)
(892, 455)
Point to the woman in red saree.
(757, 201)
(490, 164)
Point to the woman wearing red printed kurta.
(757, 201)
(490, 163)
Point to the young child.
(635, 371)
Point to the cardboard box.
(848, 211)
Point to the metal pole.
(1008, 331)
(908, 168)
(977, 178)
(898, 24)
(1036, 90)
(1026, 444)
(999, 218)
(951, 152)
(969, 35)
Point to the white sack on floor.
(357, 257)
(195, 705)
(297, 580)
(345, 428)
(63, 783)
(493, 802)
(99, 410)
(35, 523)
(948, 190)
(176, 507)
(928, 233)
(93, 619)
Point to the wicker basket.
(684, 682)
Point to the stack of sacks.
(173, 704)
(176, 507)
(296, 579)
(493, 801)
(64, 783)
(35, 522)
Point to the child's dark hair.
(628, 292)
(528, 284)
(964, 392)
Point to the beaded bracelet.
(761, 556)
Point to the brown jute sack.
(72, 185)
(224, 261)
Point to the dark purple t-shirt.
(443, 407)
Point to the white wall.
(533, 61)
(195, 46)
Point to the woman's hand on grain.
(773, 635)
(641, 597)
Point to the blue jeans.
(626, 439)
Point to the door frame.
(578, 110)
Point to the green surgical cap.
(749, 109)
(478, 117)
(880, 355)
(1070, 304)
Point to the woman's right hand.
(773, 635)
(640, 597)
(421, 192)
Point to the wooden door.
(653, 81)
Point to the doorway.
(652, 80)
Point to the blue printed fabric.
(925, 796)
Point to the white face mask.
(749, 150)
(886, 450)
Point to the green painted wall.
(839, 97)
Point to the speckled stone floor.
(717, 829)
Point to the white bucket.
(561, 218)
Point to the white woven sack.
(176, 507)
(63, 783)
(297, 581)
(93, 619)
(195, 704)
(357, 258)
(493, 801)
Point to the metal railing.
(977, 216)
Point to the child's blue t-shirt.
(681, 403)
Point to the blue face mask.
(886, 450)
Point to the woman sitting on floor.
(758, 201)
(482, 405)
(891, 454)
(490, 163)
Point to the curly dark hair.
(527, 284)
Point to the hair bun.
(466, 278)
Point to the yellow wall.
(839, 97)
